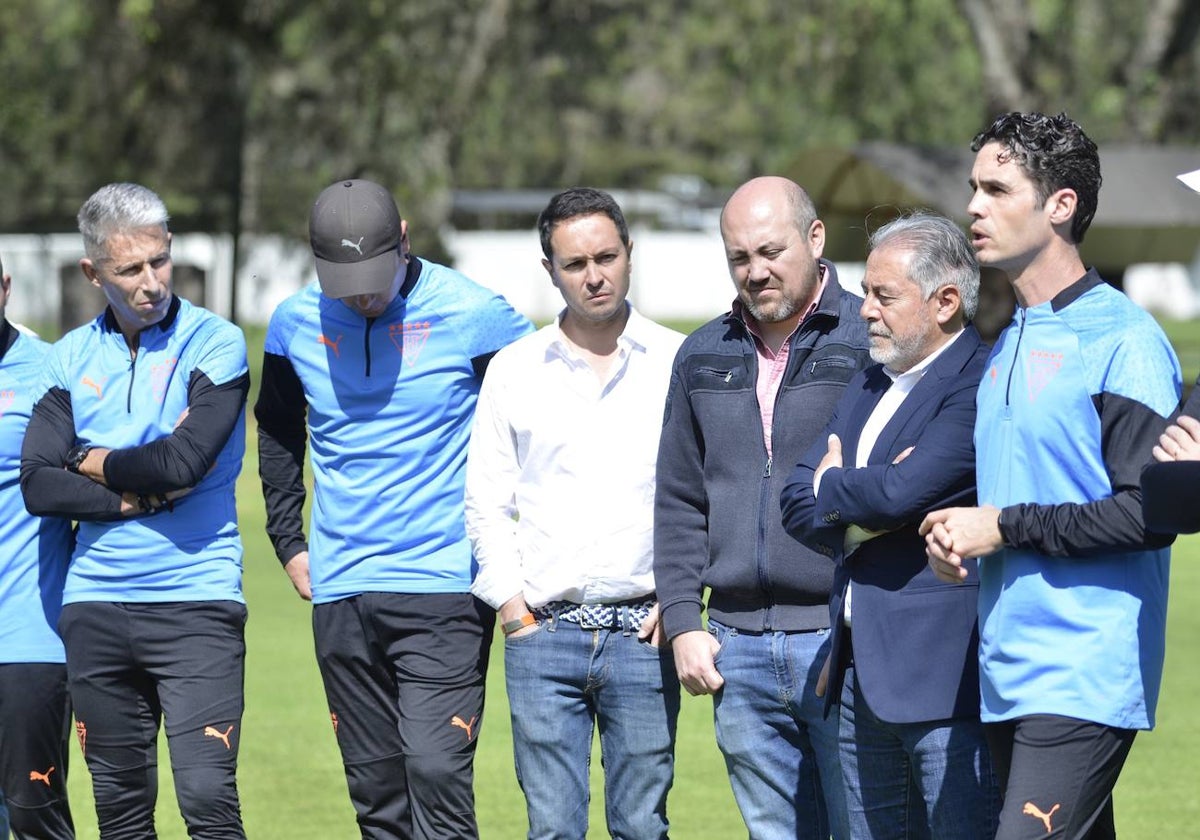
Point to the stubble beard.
(770, 313)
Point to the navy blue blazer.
(915, 639)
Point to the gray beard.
(905, 352)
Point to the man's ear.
(1062, 206)
(816, 238)
(949, 305)
(405, 248)
(89, 271)
(549, 266)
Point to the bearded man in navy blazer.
(903, 664)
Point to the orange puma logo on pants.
(457, 721)
(1034, 811)
(211, 732)
(35, 776)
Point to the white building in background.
(1169, 290)
(677, 275)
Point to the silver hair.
(115, 208)
(941, 255)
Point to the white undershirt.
(884, 411)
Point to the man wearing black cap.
(386, 355)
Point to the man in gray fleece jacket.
(749, 393)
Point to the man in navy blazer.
(903, 663)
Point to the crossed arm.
(112, 484)
(1112, 523)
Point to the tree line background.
(239, 111)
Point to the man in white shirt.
(560, 503)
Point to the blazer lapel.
(950, 363)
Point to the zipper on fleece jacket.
(762, 559)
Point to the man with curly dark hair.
(1073, 589)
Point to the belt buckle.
(588, 623)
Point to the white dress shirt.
(560, 470)
(885, 409)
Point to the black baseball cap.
(354, 229)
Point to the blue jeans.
(914, 781)
(563, 681)
(780, 750)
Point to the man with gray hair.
(138, 433)
(904, 661)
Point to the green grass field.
(290, 775)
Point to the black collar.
(8, 337)
(411, 274)
(1076, 290)
(110, 320)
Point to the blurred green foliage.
(238, 111)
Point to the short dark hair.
(575, 202)
(1055, 154)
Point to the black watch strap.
(75, 456)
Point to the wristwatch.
(76, 455)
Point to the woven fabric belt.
(626, 615)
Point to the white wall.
(678, 276)
(1166, 289)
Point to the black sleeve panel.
(182, 458)
(48, 489)
(1128, 432)
(282, 438)
(480, 363)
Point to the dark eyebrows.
(567, 260)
